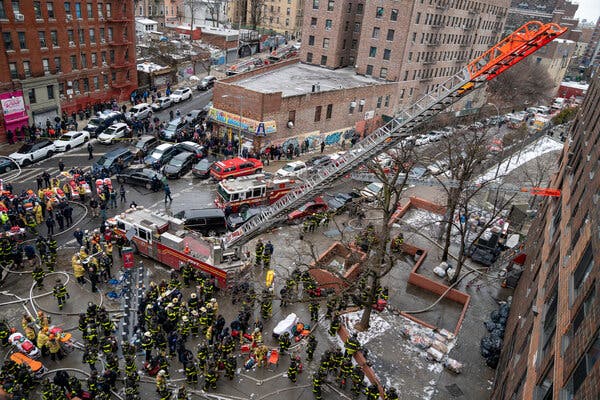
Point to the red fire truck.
(164, 239)
(251, 191)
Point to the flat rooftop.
(298, 79)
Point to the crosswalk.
(30, 174)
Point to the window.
(78, 10)
(50, 9)
(309, 57)
(583, 368)
(76, 86)
(42, 37)
(394, 15)
(414, 37)
(68, 8)
(81, 37)
(369, 70)
(27, 68)
(105, 79)
(583, 269)
(108, 10)
(387, 100)
(390, 35)
(361, 105)
(94, 59)
(92, 33)
(323, 60)
(7, 39)
(54, 38)
(73, 62)
(357, 27)
(329, 111)
(373, 51)
(315, 4)
(71, 36)
(102, 35)
(549, 324)
(31, 95)
(383, 73)
(349, 7)
(387, 53)
(89, 11)
(379, 100)
(50, 91)
(110, 33)
(83, 61)
(22, 41)
(313, 22)
(359, 8)
(111, 56)
(418, 18)
(317, 113)
(57, 64)
(583, 312)
(86, 84)
(330, 5)
(325, 43)
(13, 70)
(46, 65)
(2, 10)
(15, 6)
(354, 44)
(352, 106)
(311, 40)
(379, 12)
(328, 24)
(375, 34)
(546, 384)
(37, 9)
(99, 9)
(292, 116)
(96, 83)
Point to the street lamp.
(240, 98)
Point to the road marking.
(95, 153)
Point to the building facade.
(280, 16)
(418, 44)
(65, 56)
(151, 9)
(591, 57)
(552, 339)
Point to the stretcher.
(285, 325)
(273, 357)
(36, 367)
(24, 345)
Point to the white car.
(181, 94)
(421, 140)
(139, 112)
(371, 191)
(161, 103)
(113, 132)
(30, 152)
(71, 139)
(435, 136)
(292, 169)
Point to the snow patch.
(377, 326)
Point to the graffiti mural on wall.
(314, 139)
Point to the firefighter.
(335, 325)
(38, 276)
(60, 293)
(52, 245)
(345, 372)
(147, 344)
(258, 252)
(267, 254)
(42, 319)
(186, 274)
(311, 347)
(372, 392)
(92, 383)
(42, 340)
(90, 357)
(284, 342)
(203, 320)
(202, 356)
(383, 293)
(54, 348)
(191, 373)
(230, 366)
(292, 371)
(358, 377)
(314, 310)
(266, 306)
(161, 385)
(391, 394)
(184, 327)
(317, 383)
(193, 302)
(352, 345)
(210, 378)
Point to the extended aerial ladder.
(512, 49)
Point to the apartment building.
(417, 43)
(64, 56)
(552, 339)
(281, 16)
(151, 9)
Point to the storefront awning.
(248, 125)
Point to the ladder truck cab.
(164, 239)
(251, 191)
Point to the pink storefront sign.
(14, 110)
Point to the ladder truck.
(509, 51)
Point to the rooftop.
(146, 21)
(298, 79)
(219, 31)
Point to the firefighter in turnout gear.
(210, 378)
(317, 383)
(60, 293)
(266, 306)
(345, 372)
(292, 371)
(358, 377)
(230, 366)
(336, 323)
(284, 342)
(391, 394)
(258, 252)
(352, 345)
(38, 276)
(314, 310)
(191, 373)
(267, 254)
(311, 347)
(147, 344)
(372, 392)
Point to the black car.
(179, 165)
(192, 147)
(202, 169)
(319, 161)
(209, 221)
(7, 165)
(236, 220)
(340, 201)
(148, 178)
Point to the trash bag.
(502, 321)
(503, 311)
(498, 332)
(492, 361)
(495, 344)
(489, 325)
(495, 316)
(485, 353)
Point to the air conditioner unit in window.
(105, 86)
(19, 17)
(72, 44)
(77, 92)
(103, 41)
(69, 17)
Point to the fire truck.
(164, 239)
(251, 191)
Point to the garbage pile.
(492, 343)
(436, 345)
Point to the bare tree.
(256, 10)
(192, 6)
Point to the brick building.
(418, 44)
(281, 16)
(295, 101)
(151, 9)
(64, 56)
(552, 338)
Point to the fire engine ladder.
(512, 49)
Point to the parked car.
(6, 165)
(148, 178)
(110, 160)
(139, 111)
(340, 201)
(202, 169)
(174, 127)
(161, 154)
(235, 220)
(311, 207)
(116, 131)
(318, 162)
(371, 191)
(435, 136)
(209, 221)
(179, 165)
(292, 169)
(194, 116)
(145, 145)
(182, 94)
(103, 120)
(161, 103)
(71, 139)
(438, 167)
(421, 140)
(196, 149)
(31, 152)
(206, 83)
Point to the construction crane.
(512, 49)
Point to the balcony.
(433, 44)
(121, 65)
(117, 19)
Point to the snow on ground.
(419, 219)
(534, 150)
(377, 326)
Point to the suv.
(101, 121)
(139, 112)
(292, 169)
(161, 103)
(119, 130)
(192, 147)
(235, 167)
(145, 145)
(29, 153)
(206, 83)
(209, 221)
(161, 155)
(110, 160)
(175, 127)
(181, 94)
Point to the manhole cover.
(454, 390)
